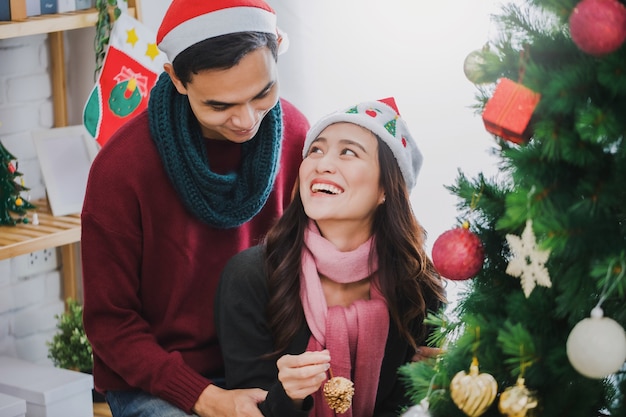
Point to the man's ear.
(177, 82)
(283, 41)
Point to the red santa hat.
(187, 22)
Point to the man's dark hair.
(221, 52)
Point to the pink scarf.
(356, 335)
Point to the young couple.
(329, 278)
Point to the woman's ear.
(177, 82)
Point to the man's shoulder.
(293, 117)
(136, 124)
(131, 145)
(295, 127)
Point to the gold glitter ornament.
(338, 392)
(515, 401)
(473, 393)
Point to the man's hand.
(217, 402)
(302, 375)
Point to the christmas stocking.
(131, 68)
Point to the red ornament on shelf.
(508, 112)
(458, 254)
(598, 27)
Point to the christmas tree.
(11, 200)
(539, 330)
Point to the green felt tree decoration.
(565, 183)
(13, 207)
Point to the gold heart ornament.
(473, 393)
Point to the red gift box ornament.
(508, 112)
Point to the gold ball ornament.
(515, 401)
(473, 393)
(596, 346)
(477, 66)
(338, 392)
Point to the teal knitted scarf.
(221, 201)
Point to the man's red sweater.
(150, 268)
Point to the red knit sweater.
(150, 268)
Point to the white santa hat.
(187, 22)
(382, 118)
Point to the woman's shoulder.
(246, 266)
(252, 255)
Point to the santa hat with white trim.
(187, 22)
(382, 118)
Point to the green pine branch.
(569, 180)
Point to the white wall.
(342, 52)
(30, 295)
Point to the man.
(178, 190)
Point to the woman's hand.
(425, 352)
(302, 375)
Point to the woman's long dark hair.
(407, 277)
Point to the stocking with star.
(131, 68)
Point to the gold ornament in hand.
(473, 393)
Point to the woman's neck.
(346, 236)
(344, 295)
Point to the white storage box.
(48, 391)
(12, 406)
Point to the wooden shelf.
(52, 231)
(101, 410)
(60, 231)
(51, 23)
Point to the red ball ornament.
(598, 27)
(458, 254)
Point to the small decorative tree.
(11, 200)
(69, 348)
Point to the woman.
(342, 283)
